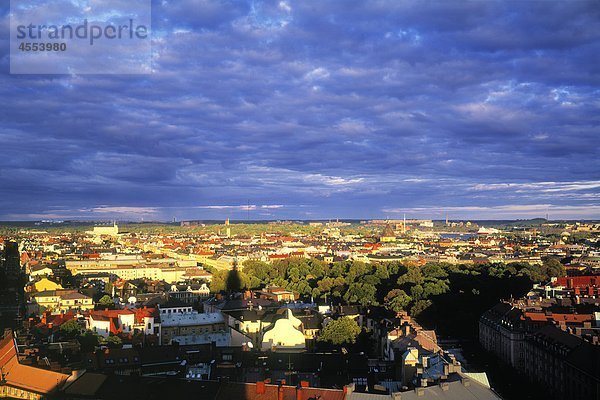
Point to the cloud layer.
(319, 110)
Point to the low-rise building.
(107, 322)
(62, 300)
(177, 324)
(23, 381)
(285, 334)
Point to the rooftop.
(23, 376)
(190, 319)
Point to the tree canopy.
(340, 331)
(421, 290)
(106, 301)
(88, 341)
(71, 328)
(114, 342)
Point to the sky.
(315, 110)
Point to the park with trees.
(446, 297)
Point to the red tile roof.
(577, 281)
(23, 376)
(141, 313)
(566, 318)
(262, 391)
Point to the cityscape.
(300, 200)
(316, 309)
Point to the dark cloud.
(318, 109)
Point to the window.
(227, 357)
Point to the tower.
(228, 230)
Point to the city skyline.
(285, 110)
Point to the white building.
(284, 335)
(111, 321)
(177, 324)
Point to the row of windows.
(178, 310)
(18, 393)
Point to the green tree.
(317, 268)
(382, 271)
(71, 328)
(551, 267)
(419, 307)
(413, 276)
(340, 331)
(325, 285)
(434, 271)
(260, 273)
(114, 342)
(293, 274)
(217, 284)
(356, 270)
(417, 292)
(338, 269)
(361, 293)
(533, 272)
(106, 301)
(88, 341)
(435, 288)
(302, 287)
(397, 300)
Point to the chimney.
(260, 387)
(299, 392)
(396, 396)
(420, 391)
(280, 392)
(466, 381)
(445, 386)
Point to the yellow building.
(45, 284)
(40, 270)
(388, 234)
(104, 230)
(63, 300)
